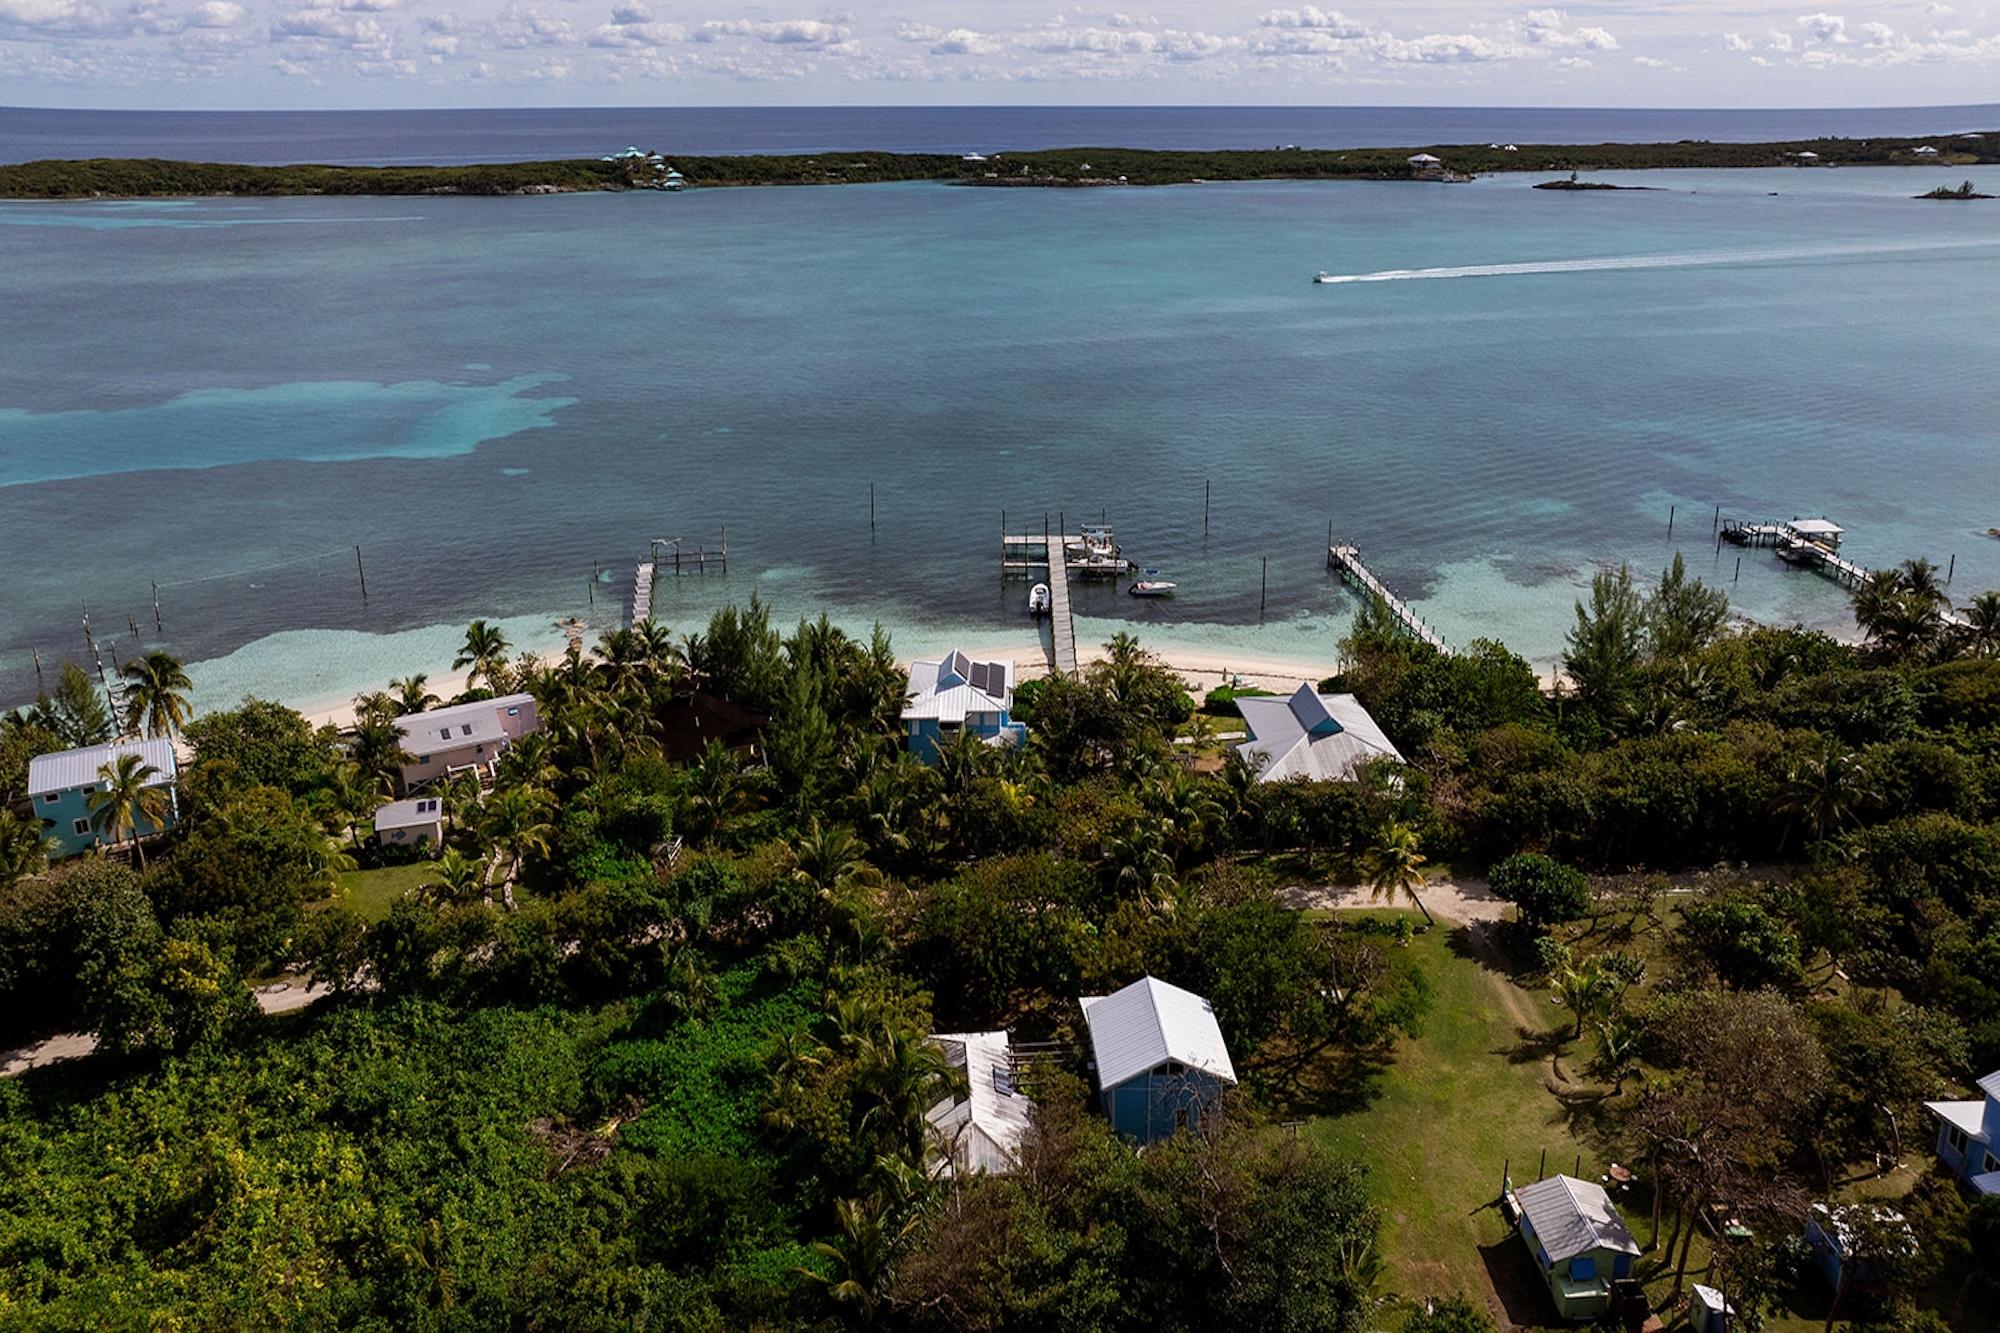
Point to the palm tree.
(716, 794)
(128, 801)
(348, 797)
(1395, 867)
(412, 695)
(457, 874)
(515, 821)
(1825, 792)
(829, 861)
(1919, 578)
(156, 702)
(1873, 599)
(24, 847)
(901, 1075)
(485, 651)
(1982, 617)
(377, 748)
(861, 1254)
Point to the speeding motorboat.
(1038, 600)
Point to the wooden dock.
(1794, 548)
(1346, 560)
(640, 606)
(1028, 555)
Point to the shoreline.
(112, 179)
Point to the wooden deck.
(1029, 555)
(640, 605)
(1346, 560)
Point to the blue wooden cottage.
(60, 786)
(1968, 1140)
(1578, 1241)
(1158, 1058)
(1847, 1239)
(955, 695)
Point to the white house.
(412, 823)
(1924, 150)
(979, 1129)
(464, 737)
(1322, 737)
(1158, 1057)
(1969, 1136)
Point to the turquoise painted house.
(60, 786)
(1577, 1240)
(1968, 1140)
(955, 695)
(1157, 1057)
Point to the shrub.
(1546, 892)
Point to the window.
(51, 798)
(513, 712)
(1954, 1138)
(1003, 1080)
(1583, 1268)
(1992, 1162)
(423, 759)
(444, 733)
(465, 730)
(81, 826)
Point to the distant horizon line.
(793, 107)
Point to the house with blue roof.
(60, 786)
(955, 695)
(1157, 1057)
(1968, 1139)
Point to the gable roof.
(950, 688)
(1573, 1217)
(983, 1132)
(1324, 737)
(422, 732)
(1990, 1085)
(417, 812)
(1149, 1023)
(65, 770)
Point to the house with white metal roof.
(60, 786)
(1157, 1056)
(416, 822)
(1578, 1240)
(1320, 737)
(954, 695)
(979, 1127)
(1968, 1139)
(467, 737)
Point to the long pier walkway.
(640, 606)
(1028, 555)
(1346, 560)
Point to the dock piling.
(1717, 527)
(1670, 519)
(157, 623)
(1739, 570)
(871, 510)
(358, 569)
(1204, 506)
(36, 653)
(1952, 568)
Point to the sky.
(406, 53)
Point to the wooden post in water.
(1263, 585)
(590, 589)
(1717, 526)
(1670, 519)
(1739, 570)
(156, 608)
(871, 506)
(36, 653)
(725, 548)
(358, 569)
(1952, 568)
(1204, 506)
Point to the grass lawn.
(1465, 1097)
(371, 892)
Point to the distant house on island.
(955, 695)
(1968, 1141)
(1924, 150)
(1158, 1058)
(1321, 737)
(418, 822)
(463, 738)
(1426, 164)
(1577, 1240)
(61, 784)
(979, 1128)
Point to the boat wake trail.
(1617, 263)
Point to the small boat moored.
(1150, 584)
(1038, 600)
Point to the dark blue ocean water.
(488, 395)
(274, 137)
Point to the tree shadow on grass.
(1335, 1082)
(1523, 1295)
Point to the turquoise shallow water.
(489, 395)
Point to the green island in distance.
(1054, 168)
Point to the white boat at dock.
(1038, 600)
(1150, 584)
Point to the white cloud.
(785, 32)
(1550, 27)
(1736, 41)
(217, 14)
(1877, 34)
(1653, 62)
(1824, 29)
(55, 17)
(966, 42)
